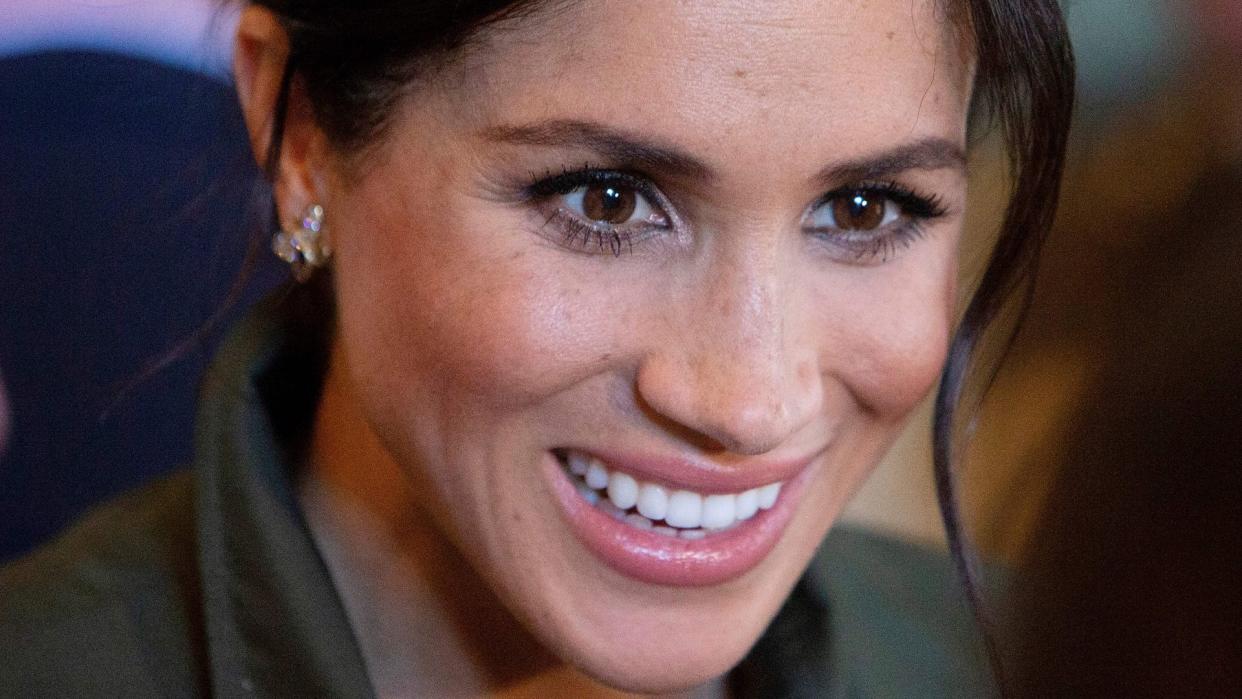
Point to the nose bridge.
(737, 374)
(742, 345)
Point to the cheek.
(445, 300)
(522, 339)
(895, 339)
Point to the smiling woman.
(609, 309)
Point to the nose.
(738, 368)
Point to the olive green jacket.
(208, 583)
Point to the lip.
(662, 560)
(703, 476)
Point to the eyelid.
(878, 245)
(553, 185)
(912, 203)
(578, 232)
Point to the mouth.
(653, 507)
(659, 531)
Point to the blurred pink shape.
(181, 32)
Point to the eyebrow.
(932, 153)
(635, 151)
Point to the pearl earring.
(305, 249)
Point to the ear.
(259, 60)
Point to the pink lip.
(704, 476)
(663, 560)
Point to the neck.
(424, 621)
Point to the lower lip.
(664, 560)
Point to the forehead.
(783, 73)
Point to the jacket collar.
(274, 623)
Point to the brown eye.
(607, 203)
(859, 211)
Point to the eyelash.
(916, 210)
(581, 234)
(878, 245)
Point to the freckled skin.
(472, 342)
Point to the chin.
(639, 610)
(647, 639)
(642, 626)
(658, 669)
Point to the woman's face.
(709, 244)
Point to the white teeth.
(681, 513)
(578, 463)
(685, 510)
(587, 494)
(767, 495)
(719, 511)
(596, 475)
(637, 520)
(622, 490)
(747, 504)
(652, 501)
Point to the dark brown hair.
(1024, 84)
(358, 59)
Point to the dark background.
(126, 190)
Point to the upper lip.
(701, 474)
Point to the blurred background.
(1105, 471)
(1106, 465)
(125, 184)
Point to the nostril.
(726, 397)
(742, 423)
(752, 429)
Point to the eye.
(870, 222)
(600, 209)
(856, 210)
(611, 204)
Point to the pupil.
(858, 212)
(608, 204)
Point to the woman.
(608, 308)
